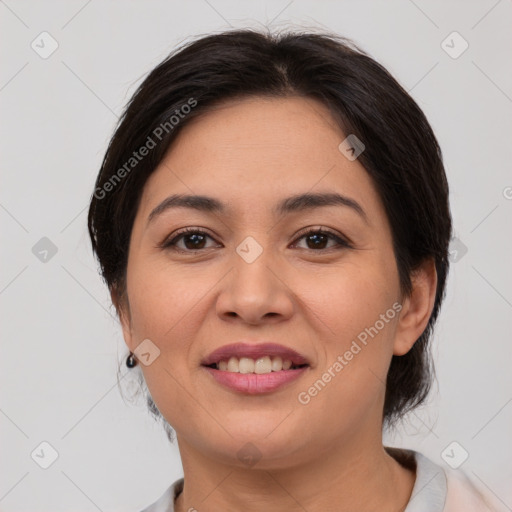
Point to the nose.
(256, 292)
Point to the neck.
(353, 477)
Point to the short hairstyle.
(401, 155)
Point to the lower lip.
(253, 383)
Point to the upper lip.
(254, 351)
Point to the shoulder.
(468, 494)
(440, 488)
(166, 502)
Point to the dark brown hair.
(401, 153)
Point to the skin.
(251, 154)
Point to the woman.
(272, 220)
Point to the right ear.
(123, 312)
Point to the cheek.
(350, 298)
(162, 297)
(355, 314)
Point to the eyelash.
(171, 243)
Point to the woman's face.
(254, 275)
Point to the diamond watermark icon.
(44, 45)
(351, 147)
(457, 250)
(249, 250)
(146, 352)
(454, 455)
(454, 45)
(44, 455)
(44, 250)
(249, 454)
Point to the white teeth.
(262, 365)
(277, 363)
(233, 365)
(246, 365)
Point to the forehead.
(281, 126)
(257, 150)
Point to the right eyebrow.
(201, 203)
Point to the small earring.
(131, 361)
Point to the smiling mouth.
(260, 366)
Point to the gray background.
(61, 344)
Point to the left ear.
(123, 312)
(417, 308)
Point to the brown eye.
(188, 240)
(194, 241)
(191, 239)
(318, 239)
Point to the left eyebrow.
(308, 201)
(299, 202)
